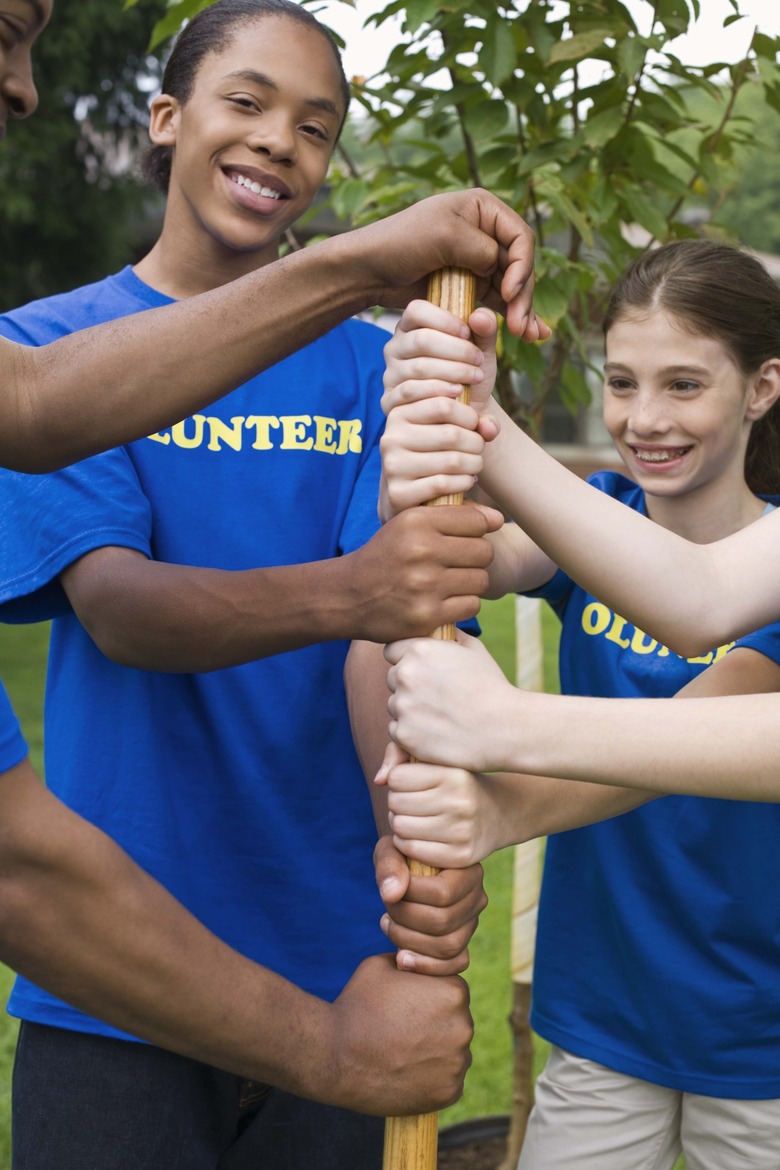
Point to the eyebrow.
(668, 371)
(324, 104)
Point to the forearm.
(365, 681)
(726, 747)
(691, 597)
(116, 382)
(518, 565)
(174, 618)
(130, 378)
(80, 918)
(525, 807)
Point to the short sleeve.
(13, 748)
(48, 521)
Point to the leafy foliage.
(575, 112)
(69, 204)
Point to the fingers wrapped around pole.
(411, 1142)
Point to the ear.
(164, 118)
(764, 390)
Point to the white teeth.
(255, 188)
(659, 456)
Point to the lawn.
(488, 1086)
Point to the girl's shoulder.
(619, 487)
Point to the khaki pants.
(587, 1117)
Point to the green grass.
(488, 1085)
(489, 1081)
(23, 657)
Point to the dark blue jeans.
(85, 1102)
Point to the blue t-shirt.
(658, 946)
(239, 789)
(13, 749)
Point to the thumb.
(484, 329)
(392, 871)
(494, 518)
(393, 755)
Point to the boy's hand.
(430, 919)
(398, 1042)
(425, 568)
(466, 229)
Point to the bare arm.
(408, 577)
(430, 919)
(119, 381)
(80, 918)
(689, 596)
(726, 746)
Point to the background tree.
(579, 113)
(71, 207)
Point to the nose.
(275, 138)
(647, 416)
(18, 88)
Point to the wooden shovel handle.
(411, 1143)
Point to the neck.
(709, 513)
(187, 261)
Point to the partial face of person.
(677, 407)
(20, 23)
(253, 141)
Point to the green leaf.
(602, 127)
(630, 54)
(498, 56)
(174, 18)
(645, 212)
(487, 118)
(580, 46)
(418, 13)
(573, 388)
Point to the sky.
(367, 48)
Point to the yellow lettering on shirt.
(349, 436)
(220, 432)
(599, 621)
(179, 432)
(264, 432)
(262, 424)
(294, 431)
(323, 436)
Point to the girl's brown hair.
(721, 292)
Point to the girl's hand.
(430, 448)
(440, 816)
(431, 354)
(450, 703)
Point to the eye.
(685, 386)
(316, 132)
(619, 385)
(245, 103)
(11, 33)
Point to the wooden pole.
(411, 1143)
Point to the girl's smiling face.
(676, 405)
(253, 141)
(20, 23)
